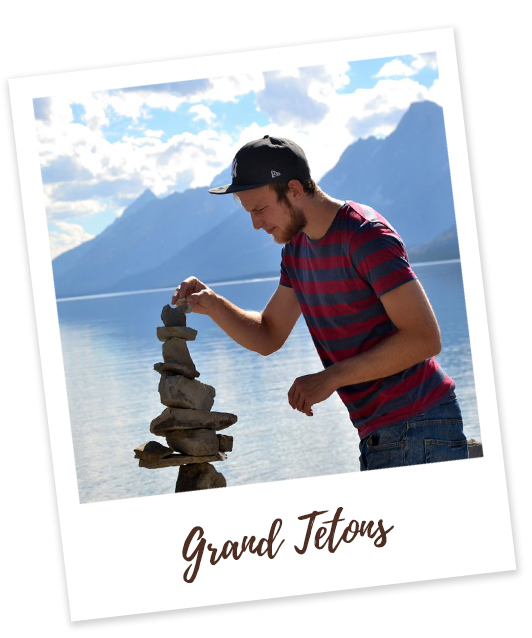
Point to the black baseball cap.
(266, 161)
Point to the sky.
(99, 151)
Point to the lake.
(109, 347)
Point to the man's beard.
(297, 222)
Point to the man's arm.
(263, 332)
(417, 339)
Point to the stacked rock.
(188, 424)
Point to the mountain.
(158, 242)
(68, 260)
(405, 176)
(148, 231)
(230, 250)
(147, 197)
(444, 247)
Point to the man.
(346, 269)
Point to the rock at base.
(182, 332)
(199, 477)
(225, 443)
(178, 391)
(179, 419)
(194, 442)
(181, 459)
(474, 449)
(176, 368)
(174, 316)
(152, 451)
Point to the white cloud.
(434, 93)
(67, 236)
(133, 157)
(60, 136)
(229, 89)
(135, 102)
(300, 96)
(201, 156)
(425, 59)
(152, 133)
(202, 112)
(396, 68)
(69, 209)
(376, 111)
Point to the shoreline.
(228, 282)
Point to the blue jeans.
(430, 437)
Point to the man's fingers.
(180, 302)
(297, 400)
(197, 297)
(306, 408)
(179, 294)
(198, 301)
(300, 403)
(186, 288)
(291, 397)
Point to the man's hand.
(310, 389)
(194, 292)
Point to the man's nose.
(257, 223)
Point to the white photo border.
(125, 557)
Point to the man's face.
(281, 220)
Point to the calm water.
(109, 348)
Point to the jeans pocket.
(437, 451)
(382, 456)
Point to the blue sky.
(99, 151)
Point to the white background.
(54, 38)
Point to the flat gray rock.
(181, 459)
(199, 477)
(178, 391)
(152, 451)
(474, 449)
(177, 368)
(179, 419)
(174, 316)
(194, 442)
(225, 442)
(165, 333)
(176, 350)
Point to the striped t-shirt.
(338, 280)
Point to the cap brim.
(234, 188)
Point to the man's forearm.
(394, 354)
(246, 327)
(263, 332)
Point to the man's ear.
(295, 188)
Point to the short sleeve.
(284, 279)
(380, 258)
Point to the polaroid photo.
(195, 468)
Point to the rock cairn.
(188, 424)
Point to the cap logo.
(233, 169)
(275, 174)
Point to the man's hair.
(309, 187)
